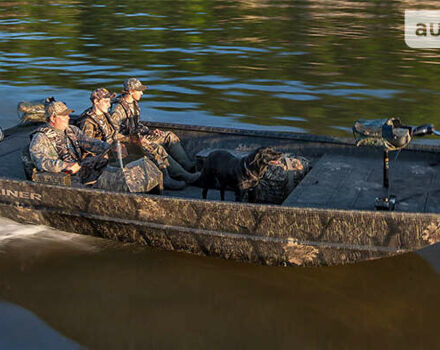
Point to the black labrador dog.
(223, 170)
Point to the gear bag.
(139, 176)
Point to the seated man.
(59, 147)
(96, 122)
(126, 114)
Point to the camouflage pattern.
(272, 188)
(61, 179)
(35, 107)
(133, 84)
(31, 112)
(32, 118)
(51, 150)
(98, 126)
(280, 179)
(126, 116)
(57, 108)
(297, 168)
(155, 152)
(91, 169)
(292, 234)
(166, 138)
(140, 176)
(112, 179)
(159, 146)
(273, 235)
(101, 93)
(387, 133)
(143, 175)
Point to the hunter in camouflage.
(95, 121)
(166, 148)
(59, 147)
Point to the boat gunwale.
(386, 214)
(285, 135)
(288, 135)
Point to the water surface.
(104, 294)
(305, 66)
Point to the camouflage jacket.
(97, 126)
(51, 149)
(127, 117)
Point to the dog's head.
(262, 157)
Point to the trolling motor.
(392, 135)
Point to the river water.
(305, 66)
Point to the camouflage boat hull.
(252, 233)
(288, 235)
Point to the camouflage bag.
(140, 176)
(31, 112)
(280, 179)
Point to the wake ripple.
(13, 234)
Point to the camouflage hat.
(133, 84)
(101, 93)
(57, 108)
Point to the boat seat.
(62, 179)
(32, 174)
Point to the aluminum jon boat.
(328, 218)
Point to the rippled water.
(306, 66)
(103, 294)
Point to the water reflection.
(347, 59)
(306, 66)
(127, 296)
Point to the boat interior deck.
(340, 178)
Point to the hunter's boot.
(177, 171)
(176, 151)
(171, 184)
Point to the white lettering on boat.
(20, 194)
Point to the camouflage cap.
(133, 84)
(101, 93)
(57, 108)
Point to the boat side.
(272, 235)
